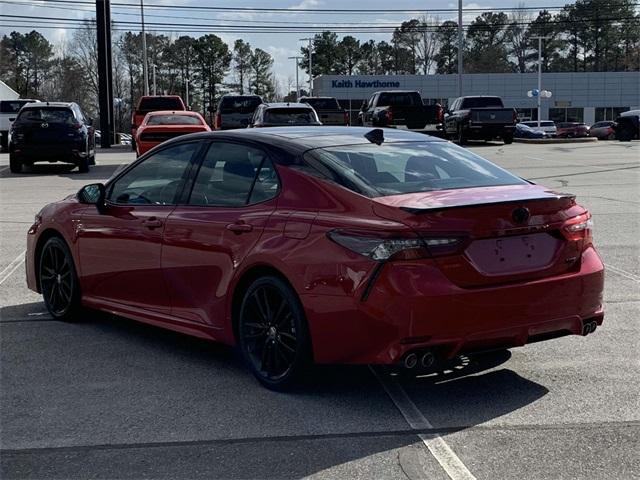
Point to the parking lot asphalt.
(111, 398)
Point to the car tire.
(460, 136)
(272, 333)
(507, 139)
(59, 282)
(15, 166)
(4, 141)
(83, 165)
(611, 136)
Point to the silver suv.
(235, 111)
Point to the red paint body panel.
(183, 274)
(169, 131)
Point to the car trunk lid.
(502, 234)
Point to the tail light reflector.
(217, 123)
(579, 228)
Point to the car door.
(207, 239)
(120, 244)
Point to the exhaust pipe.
(427, 360)
(411, 360)
(589, 327)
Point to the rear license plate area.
(511, 255)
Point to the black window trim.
(186, 192)
(187, 175)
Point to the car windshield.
(298, 116)
(239, 104)
(49, 115)
(398, 168)
(322, 103)
(174, 120)
(482, 102)
(160, 103)
(397, 99)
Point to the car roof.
(49, 104)
(286, 105)
(296, 140)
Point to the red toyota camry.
(158, 127)
(326, 245)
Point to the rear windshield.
(481, 102)
(298, 116)
(239, 104)
(397, 168)
(174, 120)
(397, 99)
(12, 106)
(542, 124)
(160, 103)
(49, 115)
(322, 103)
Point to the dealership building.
(576, 97)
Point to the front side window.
(157, 180)
(234, 175)
(397, 168)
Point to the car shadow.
(140, 362)
(97, 172)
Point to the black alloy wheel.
(58, 280)
(273, 335)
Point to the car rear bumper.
(485, 131)
(66, 153)
(412, 306)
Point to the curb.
(556, 140)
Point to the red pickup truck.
(153, 103)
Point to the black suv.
(52, 132)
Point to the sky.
(279, 45)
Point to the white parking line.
(12, 267)
(440, 450)
(623, 273)
(3, 169)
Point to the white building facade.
(576, 97)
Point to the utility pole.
(460, 48)
(145, 72)
(105, 71)
(310, 64)
(297, 59)
(186, 94)
(539, 97)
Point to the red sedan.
(326, 245)
(158, 127)
(572, 130)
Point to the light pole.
(310, 64)
(539, 96)
(145, 73)
(460, 48)
(297, 59)
(154, 79)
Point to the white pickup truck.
(8, 112)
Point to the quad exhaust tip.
(411, 360)
(427, 360)
(589, 327)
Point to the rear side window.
(322, 103)
(233, 175)
(160, 103)
(405, 99)
(12, 106)
(239, 104)
(174, 120)
(482, 102)
(290, 115)
(397, 168)
(48, 115)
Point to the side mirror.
(93, 194)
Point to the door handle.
(239, 227)
(152, 222)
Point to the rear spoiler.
(555, 196)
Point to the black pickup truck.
(399, 108)
(480, 118)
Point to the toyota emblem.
(521, 215)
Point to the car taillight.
(217, 123)
(515, 116)
(346, 118)
(389, 114)
(579, 228)
(439, 113)
(393, 248)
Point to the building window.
(566, 114)
(526, 114)
(609, 113)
